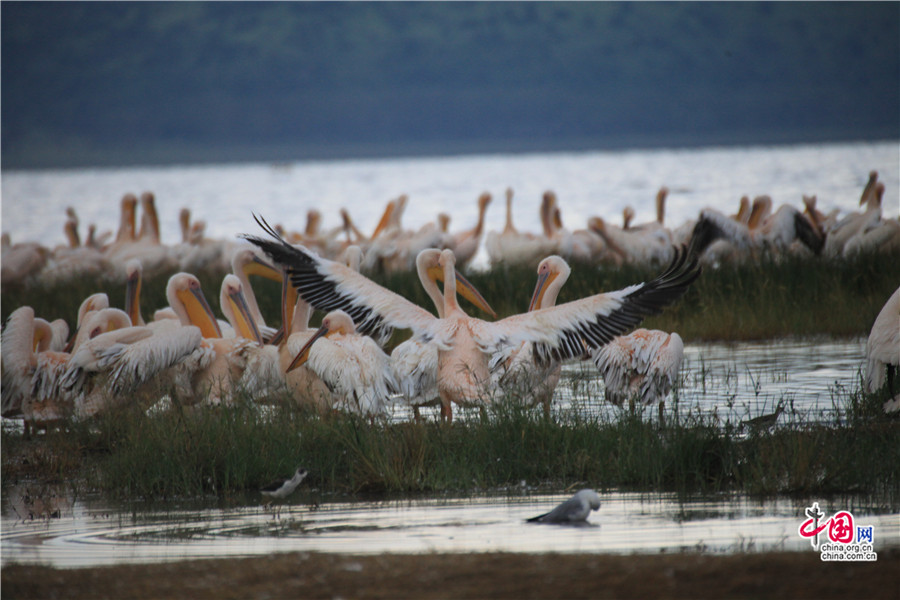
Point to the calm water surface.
(728, 382)
(87, 533)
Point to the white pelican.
(524, 370)
(186, 298)
(129, 358)
(146, 245)
(303, 384)
(883, 351)
(246, 262)
(210, 372)
(63, 384)
(51, 398)
(642, 244)
(582, 244)
(59, 334)
(23, 338)
(777, 231)
(512, 247)
(353, 366)
(466, 344)
(642, 365)
(465, 243)
(574, 510)
(849, 226)
(415, 361)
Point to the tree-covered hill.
(134, 82)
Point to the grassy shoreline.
(227, 451)
(184, 453)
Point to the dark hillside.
(138, 82)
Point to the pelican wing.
(356, 370)
(18, 359)
(328, 285)
(415, 365)
(574, 329)
(131, 356)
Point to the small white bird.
(282, 488)
(574, 510)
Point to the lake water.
(729, 382)
(587, 184)
(87, 532)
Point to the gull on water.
(574, 510)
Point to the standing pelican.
(23, 338)
(353, 366)
(642, 365)
(465, 243)
(130, 360)
(883, 351)
(415, 361)
(466, 344)
(209, 373)
(524, 370)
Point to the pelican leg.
(446, 411)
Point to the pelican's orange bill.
(303, 355)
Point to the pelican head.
(553, 272)
(352, 257)
(443, 222)
(186, 298)
(313, 220)
(335, 323)
(98, 322)
(432, 262)
(92, 303)
(627, 217)
(184, 221)
(248, 262)
(234, 306)
(597, 224)
(483, 200)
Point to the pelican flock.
(449, 359)
(466, 344)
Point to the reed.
(765, 298)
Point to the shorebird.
(282, 488)
(762, 422)
(574, 510)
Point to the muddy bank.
(495, 576)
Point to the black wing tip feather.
(647, 300)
